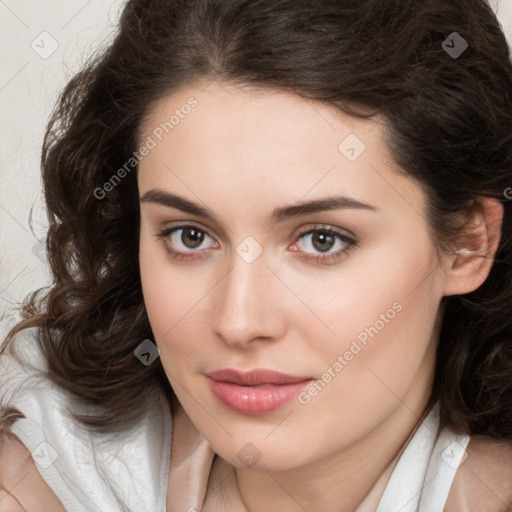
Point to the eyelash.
(327, 258)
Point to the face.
(240, 274)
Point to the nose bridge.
(244, 307)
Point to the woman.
(281, 245)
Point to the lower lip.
(255, 400)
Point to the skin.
(240, 153)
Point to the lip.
(255, 392)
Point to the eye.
(188, 241)
(324, 239)
(182, 242)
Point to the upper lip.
(254, 377)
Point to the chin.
(256, 452)
(275, 462)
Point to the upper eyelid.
(326, 227)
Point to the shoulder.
(22, 488)
(484, 478)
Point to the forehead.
(228, 114)
(267, 145)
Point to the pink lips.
(255, 392)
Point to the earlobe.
(472, 261)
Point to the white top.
(129, 472)
(88, 472)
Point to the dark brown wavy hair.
(449, 120)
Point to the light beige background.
(42, 44)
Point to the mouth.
(255, 392)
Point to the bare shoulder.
(484, 479)
(22, 488)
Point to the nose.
(247, 304)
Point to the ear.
(469, 266)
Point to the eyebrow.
(280, 214)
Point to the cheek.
(173, 298)
(392, 288)
(381, 312)
(382, 356)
